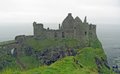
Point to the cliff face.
(61, 56)
(78, 53)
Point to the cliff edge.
(72, 49)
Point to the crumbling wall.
(70, 28)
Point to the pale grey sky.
(54, 11)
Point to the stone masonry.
(70, 28)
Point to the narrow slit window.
(55, 35)
(85, 33)
(63, 35)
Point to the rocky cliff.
(78, 54)
(61, 56)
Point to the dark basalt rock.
(100, 63)
(28, 51)
(50, 55)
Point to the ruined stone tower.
(70, 28)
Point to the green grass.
(29, 61)
(85, 58)
(95, 43)
(63, 66)
(7, 42)
(42, 44)
(67, 65)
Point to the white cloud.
(98, 11)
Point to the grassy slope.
(7, 42)
(42, 44)
(67, 65)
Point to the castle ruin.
(70, 28)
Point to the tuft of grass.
(29, 61)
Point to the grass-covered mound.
(88, 60)
(82, 63)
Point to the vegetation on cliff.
(88, 60)
(82, 63)
(47, 43)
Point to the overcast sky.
(54, 11)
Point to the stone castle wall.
(70, 28)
